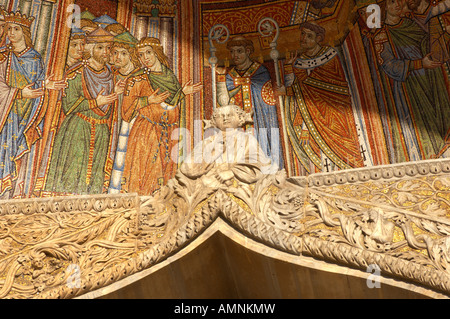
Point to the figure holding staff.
(216, 33)
(248, 84)
(266, 27)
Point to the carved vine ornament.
(397, 217)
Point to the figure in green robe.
(81, 160)
(416, 111)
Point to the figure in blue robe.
(20, 125)
(252, 90)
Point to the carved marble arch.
(395, 218)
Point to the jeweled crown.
(18, 18)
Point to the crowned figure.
(21, 90)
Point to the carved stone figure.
(248, 84)
(377, 227)
(228, 153)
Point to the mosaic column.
(141, 27)
(167, 10)
(45, 19)
(25, 7)
(166, 37)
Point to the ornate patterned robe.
(121, 140)
(320, 120)
(82, 155)
(20, 127)
(416, 113)
(252, 91)
(151, 158)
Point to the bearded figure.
(82, 154)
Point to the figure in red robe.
(319, 115)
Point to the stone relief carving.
(396, 217)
